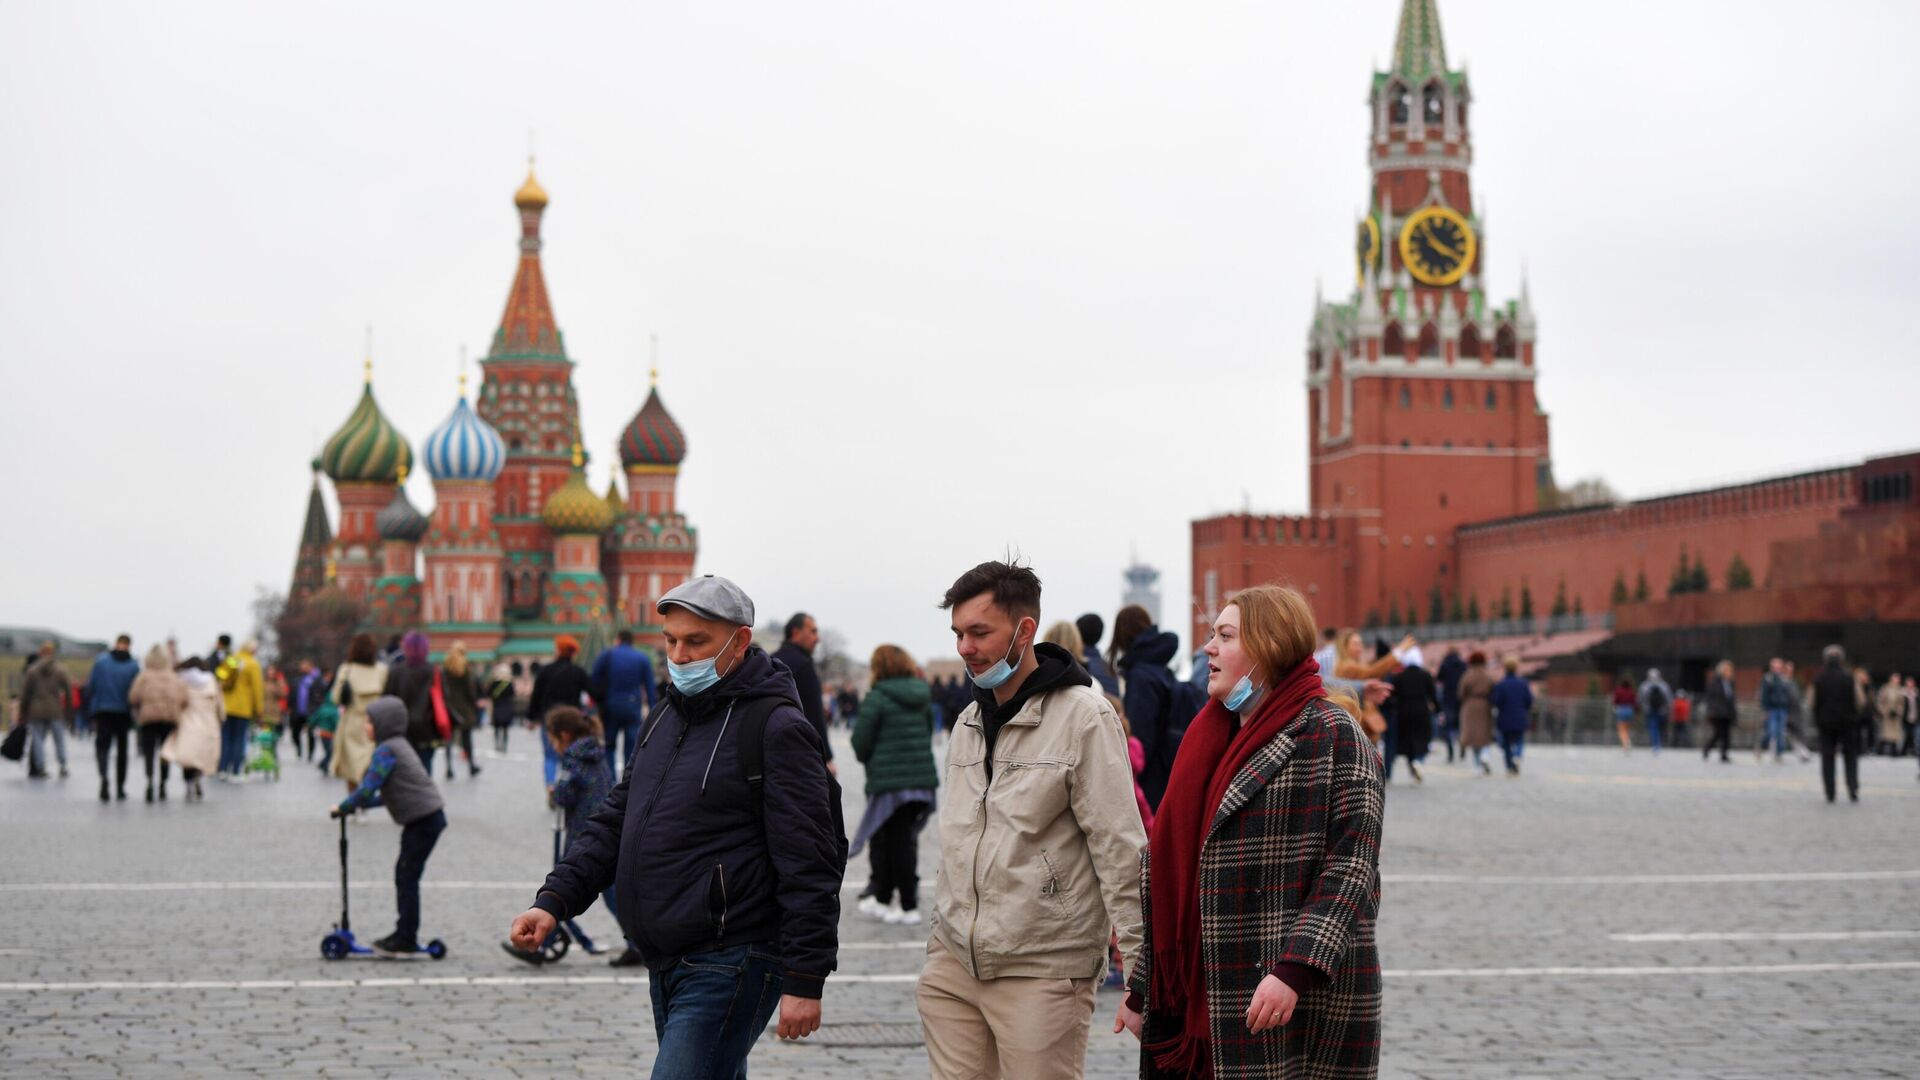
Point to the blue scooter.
(341, 945)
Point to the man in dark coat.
(1835, 705)
(1451, 669)
(729, 889)
(797, 653)
(1092, 628)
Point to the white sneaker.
(896, 917)
(871, 908)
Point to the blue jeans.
(37, 732)
(233, 743)
(1777, 731)
(550, 761)
(709, 1008)
(623, 733)
(1655, 721)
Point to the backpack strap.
(753, 751)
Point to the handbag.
(15, 743)
(437, 695)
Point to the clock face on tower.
(1366, 249)
(1437, 245)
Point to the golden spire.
(367, 367)
(653, 371)
(579, 455)
(531, 195)
(333, 568)
(400, 474)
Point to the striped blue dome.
(465, 448)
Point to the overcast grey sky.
(931, 281)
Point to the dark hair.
(1091, 626)
(567, 720)
(1328, 633)
(192, 663)
(626, 636)
(516, 668)
(1477, 657)
(1015, 589)
(1132, 621)
(128, 638)
(797, 624)
(361, 650)
(223, 640)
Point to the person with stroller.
(396, 778)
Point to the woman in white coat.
(195, 742)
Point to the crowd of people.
(1092, 797)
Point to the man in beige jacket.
(1040, 843)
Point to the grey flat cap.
(713, 598)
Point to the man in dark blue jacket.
(622, 681)
(733, 900)
(106, 697)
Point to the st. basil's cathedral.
(518, 549)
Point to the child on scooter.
(396, 779)
(582, 784)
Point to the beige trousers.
(1012, 1028)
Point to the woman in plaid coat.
(1262, 877)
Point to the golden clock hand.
(1434, 241)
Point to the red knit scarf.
(1211, 754)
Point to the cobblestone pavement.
(1605, 915)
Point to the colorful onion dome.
(399, 520)
(531, 195)
(653, 438)
(575, 508)
(464, 447)
(366, 448)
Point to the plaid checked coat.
(1289, 872)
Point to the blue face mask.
(699, 676)
(1243, 693)
(1002, 669)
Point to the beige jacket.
(1039, 863)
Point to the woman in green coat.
(893, 738)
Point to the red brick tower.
(1421, 415)
(527, 396)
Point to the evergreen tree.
(1697, 577)
(1681, 580)
(1739, 575)
(1393, 614)
(1473, 609)
(1436, 604)
(1577, 609)
(1506, 602)
(1455, 613)
(1560, 606)
(1526, 599)
(1641, 592)
(1619, 588)
(1373, 619)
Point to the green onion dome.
(575, 508)
(366, 448)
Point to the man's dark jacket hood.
(691, 866)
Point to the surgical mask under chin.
(699, 676)
(1002, 669)
(1243, 694)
